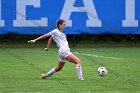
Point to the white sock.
(79, 71)
(52, 71)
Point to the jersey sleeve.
(53, 32)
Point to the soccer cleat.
(81, 79)
(43, 76)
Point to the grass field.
(20, 70)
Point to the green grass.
(20, 70)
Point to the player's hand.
(46, 49)
(31, 41)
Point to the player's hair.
(60, 22)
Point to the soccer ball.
(102, 71)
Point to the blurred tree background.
(76, 38)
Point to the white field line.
(90, 55)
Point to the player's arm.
(39, 38)
(49, 43)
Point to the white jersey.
(60, 39)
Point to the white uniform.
(62, 43)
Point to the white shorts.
(62, 55)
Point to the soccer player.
(64, 51)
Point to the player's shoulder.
(56, 30)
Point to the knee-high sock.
(51, 72)
(79, 71)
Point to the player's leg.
(59, 66)
(53, 70)
(76, 60)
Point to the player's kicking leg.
(53, 70)
(74, 59)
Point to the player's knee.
(78, 61)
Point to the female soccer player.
(64, 51)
